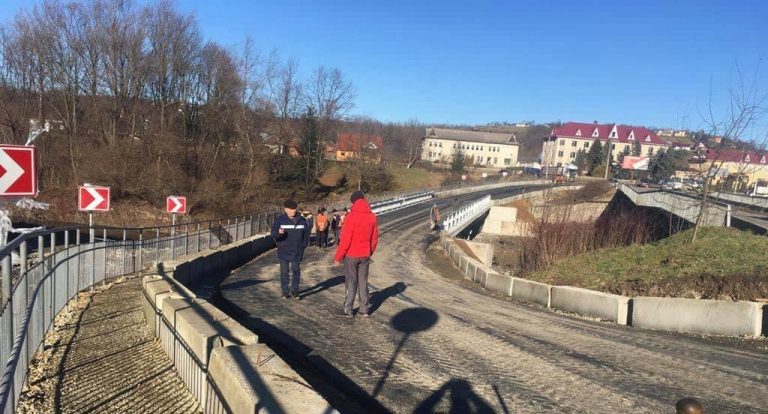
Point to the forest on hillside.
(136, 99)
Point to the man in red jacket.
(357, 244)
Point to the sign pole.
(173, 237)
(91, 231)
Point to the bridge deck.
(484, 353)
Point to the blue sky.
(650, 62)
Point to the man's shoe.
(286, 295)
(295, 295)
(343, 314)
(363, 314)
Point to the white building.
(480, 148)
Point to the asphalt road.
(434, 344)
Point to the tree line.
(136, 99)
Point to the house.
(352, 145)
(487, 149)
(561, 147)
(735, 169)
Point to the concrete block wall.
(707, 317)
(247, 377)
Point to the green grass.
(413, 178)
(718, 253)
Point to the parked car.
(644, 182)
(672, 184)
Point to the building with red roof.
(561, 146)
(734, 169)
(351, 145)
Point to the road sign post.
(92, 198)
(175, 205)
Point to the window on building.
(441, 145)
(495, 160)
(559, 153)
(562, 142)
(479, 160)
(586, 145)
(507, 161)
(613, 146)
(573, 155)
(574, 143)
(650, 150)
(626, 148)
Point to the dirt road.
(434, 345)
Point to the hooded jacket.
(361, 232)
(291, 244)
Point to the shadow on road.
(340, 391)
(378, 297)
(242, 284)
(462, 400)
(325, 284)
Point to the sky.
(659, 63)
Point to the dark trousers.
(322, 238)
(336, 237)
(356, 270)
(296, 270)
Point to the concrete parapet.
(591, 303)
(530, 291)
(709, 317)
(253, 379)
(498, 283)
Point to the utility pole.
(608, 157)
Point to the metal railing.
(454, 222)
(42, 271)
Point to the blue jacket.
(291, 244)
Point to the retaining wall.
(219, 360)
(708, 317)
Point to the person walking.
(290, 232)
(357, 244)
(321, 228)
(335, 219)
(434, 218)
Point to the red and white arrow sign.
(176, 205)
(91, 198)
(18, 171)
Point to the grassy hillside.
(724, 264)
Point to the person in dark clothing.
(291, 235)
(357, 244)
(335, 219)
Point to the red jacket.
(360, 233)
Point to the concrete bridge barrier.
(608, 307)
(707, 317)
(219, 360)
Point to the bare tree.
(744, 111)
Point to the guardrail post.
(199, 237)
(125, 248)
(141, 251)
(186, 239)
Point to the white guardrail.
(401, 202)
(457, 220)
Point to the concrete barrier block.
(530, 291)
(591, 303)
(498, 283)
(181, 272)
(470, 273)
(716, 317)
(480, 275)
(155, 287)
(254, 379)
(462, 265)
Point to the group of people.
(323, 223)
(355, 236)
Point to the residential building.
(352, 145)
(488, 149)
(735, 169)
(561, 147)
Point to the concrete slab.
(483, 251)
(530, 291)
(498, 283)
(716, 317)
(591, 303)
(497, 217)
(253, 379)
(480, 275)
(471, 270)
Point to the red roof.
(624, 133)
(746, 157)
(350, 141)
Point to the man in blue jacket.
(291, 234)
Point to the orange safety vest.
(321, 222)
